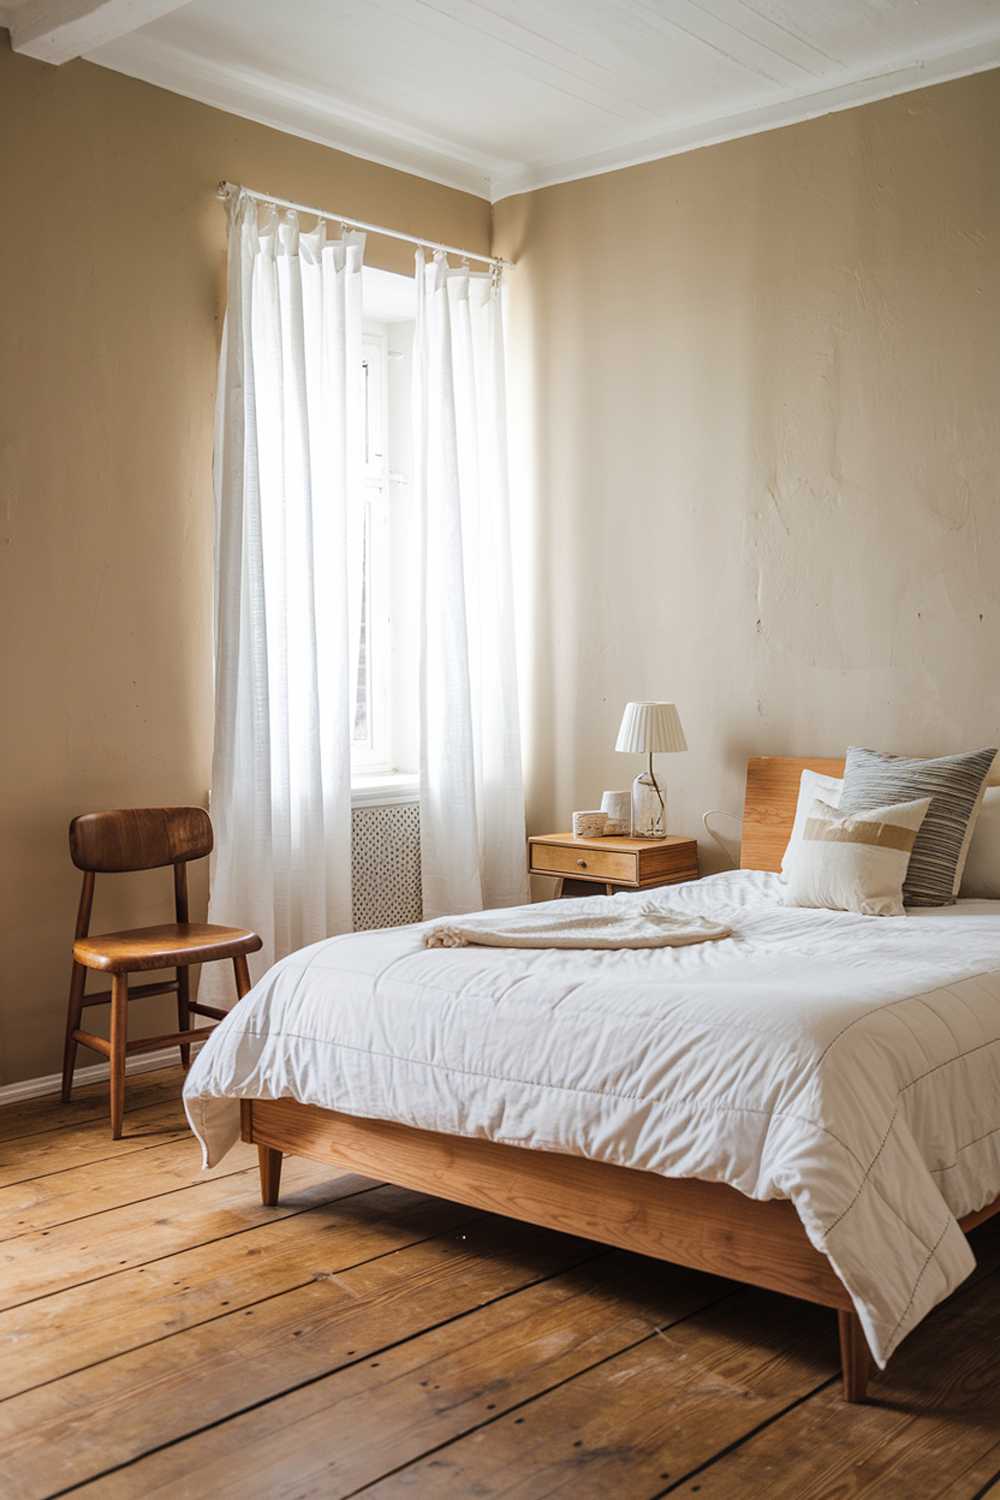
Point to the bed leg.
(270, 1175)
(855, 1360)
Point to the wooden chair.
(143, 838)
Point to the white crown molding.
(37, 1088)
(300, 111)
(315, 116)
(811, 106)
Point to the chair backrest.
(139, 838)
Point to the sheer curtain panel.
(472, 847)
(287, 462)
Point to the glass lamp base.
(649, 807)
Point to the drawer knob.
(582, 864)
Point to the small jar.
(618, 806)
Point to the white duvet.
(851, 1064)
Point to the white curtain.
(472, 848)
(287, 455)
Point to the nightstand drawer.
(625, 863)
(585, 863)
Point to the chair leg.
(242, 971)
(855, 1360)
(119, 1030)
(74, 1011)
(184, 1013)
(270, 1174)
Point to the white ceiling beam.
(56, 31)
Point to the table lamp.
(648, 728)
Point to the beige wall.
(758, 393)
(111, 277)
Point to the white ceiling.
(497, 96)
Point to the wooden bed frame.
(709, 1226)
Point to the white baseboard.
(37, 1088)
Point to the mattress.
(850, 1064)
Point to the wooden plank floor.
(163, 1334)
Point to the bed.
(811, 1105)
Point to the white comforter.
(851, 1064)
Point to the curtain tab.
(436, 273)
(241, 209)
(312, 242)
(288, 232)
(353, 241)
(264, 226)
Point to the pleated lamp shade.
(647, 727)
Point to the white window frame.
(373, 757)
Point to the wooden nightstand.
(619, 864)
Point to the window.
(383, 587)
(372, 736)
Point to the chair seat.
(164, 947)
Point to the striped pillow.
(954, 783)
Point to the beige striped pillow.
(854, 862)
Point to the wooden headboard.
(769, 807)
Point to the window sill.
(387, 789)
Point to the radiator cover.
(385, 865)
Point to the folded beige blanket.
(593, 922)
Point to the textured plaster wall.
(112, 264)
(756, 393)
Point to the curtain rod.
(226, 189)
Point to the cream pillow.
(854, 863)
(981, 880)
(811, 786)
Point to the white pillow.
(981, 878)
(857, 862)
(811, 786)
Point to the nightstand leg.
(559, 887)
(609, 889)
